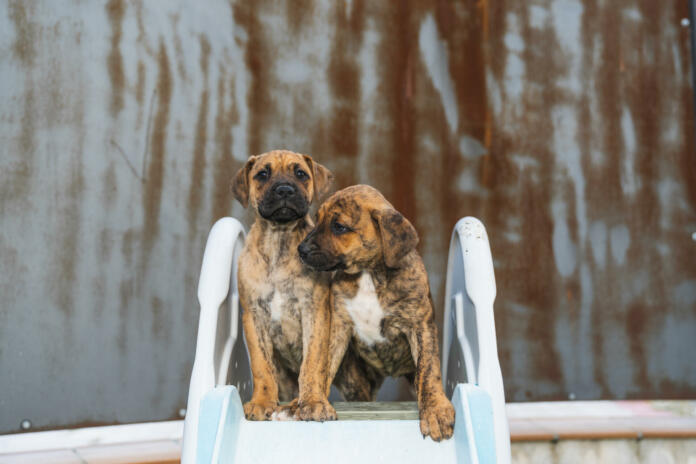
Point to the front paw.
(316, 411)
(437, 419)
(259, 411)
(286, 412)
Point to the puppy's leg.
(355, 380)
(436, 411)
(265, 397)
(313, 403)
(341, 331)
(287, 390)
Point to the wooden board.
(383, 410)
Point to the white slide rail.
(470, 352)
(219, 344)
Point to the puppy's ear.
(399, 237)
(240, 183)
(323, 178)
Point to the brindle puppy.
(286, 314)
(381, 298)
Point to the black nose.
(284, 190)
(303, 249)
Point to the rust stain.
(140, 89)
(158, 139)
(687, 155)
(159, 318)
(205, 55)
(589, 28)
(397, 49)
(68, 253)
(543, 288)
(257, 56)
(105, 245)
(24, 46)
(140, 92)
(180, 59)
(126, 290)
(199, 160)
(299, 12)
(116, 9)
(344, 84)
(223, 168)
(142, 36)
(17, 182)
(127, 242)
(636, 328)
(27, 35)
(109, 187)
(27, 142)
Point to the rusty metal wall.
(567, 126)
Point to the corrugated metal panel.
(566, 126)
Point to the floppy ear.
(240, 183)
(322, 178)
(399, 237)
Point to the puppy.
(286, 314)
(381, 298)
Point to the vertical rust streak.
(687, 154)
(17, 185)
(222, 192)
(199, 161)
(24, 46)
(542, 290)
(198, 164)
(27, 135)
(158, 140)
(140, 89)
(68, 251)
(637, 320)
(298, 12)
(220, 130)
(257, 57)
(178, 47)
(115, 9)
(588, 32)
(395, 51)
(344, 85)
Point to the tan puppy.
(286, 314)
(381, 297)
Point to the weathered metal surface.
(566, 126)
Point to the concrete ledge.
(154, 452)
(590, 420)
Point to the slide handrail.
(218, 331)
(469, 349)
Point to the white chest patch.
(365, 310)
(276, 306)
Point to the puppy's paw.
(285, 412)
(316, 411)
(437, 419)
(258, 411)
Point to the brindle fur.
(286, 314)
(382, 243)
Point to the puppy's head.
(356, 228)
(280, 185)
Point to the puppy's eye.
(339, 229)
(262, 175)
(300, 174)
